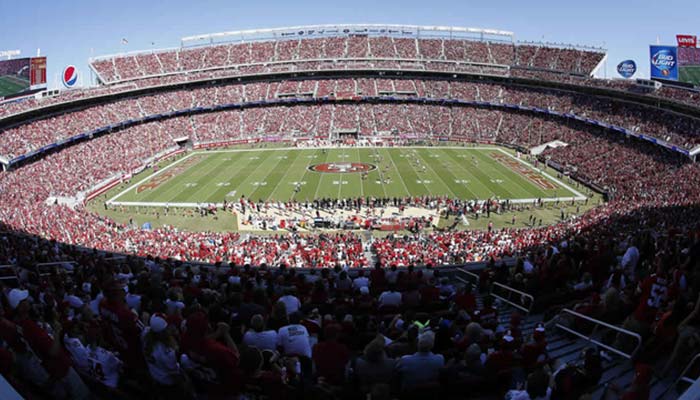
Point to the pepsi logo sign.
(70, 76)
(627, 68)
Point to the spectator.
(420, 370)
(374, 367)
(258, 337)
(64, 381)
(331, 358)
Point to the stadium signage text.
(627, 68)
(687, 40)
(524, 170)
(167, 175)
(664, 62)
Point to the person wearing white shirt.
(78, 354)
(258, 337)
(630, 260)
(293, 339)
(160, 351)
(291, 302)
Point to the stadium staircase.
(567, 345)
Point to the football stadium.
(351, 211)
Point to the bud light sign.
(627, 68)
(664, 62)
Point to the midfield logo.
(342, 168)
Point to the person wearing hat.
(500, 364)
(66, 382)
(124, 327)
(534, 353)
(27, 364)
(160, 350)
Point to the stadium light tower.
(9, 53)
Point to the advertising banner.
(627, 68)
(664, 62)
(687, 40)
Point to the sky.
(71, 32)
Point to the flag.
(124, 41)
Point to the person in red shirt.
(66, 383)
(487, 317)
(378, 278)
(430, 294)
(639, 390)
(123, 327)
(331, 357)
(465, 299)
(499, 364)
(654, 294)
(212, 358)
(534, 353)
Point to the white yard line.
(430, 165)
(112, 201)
(193, 205)
(343, 148)
(270, 197)
(362, 182)
(398, 172)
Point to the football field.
(690, 74)
(306, 174)
(10, 84)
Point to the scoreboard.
(22, 76)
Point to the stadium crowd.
(131, 327)
(367, 119)
(138, 66)
(157, 322)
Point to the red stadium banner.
(37, 71)
(687, 40)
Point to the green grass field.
(11, 84)
(264, 174)
(690, 74)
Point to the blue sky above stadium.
(71, 32)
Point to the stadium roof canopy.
(351, 29)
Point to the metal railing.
(469, 278)
(506, 294)
(8, 273)
(43, 269)
(598, 323)
(683, 377)
(692, 391)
